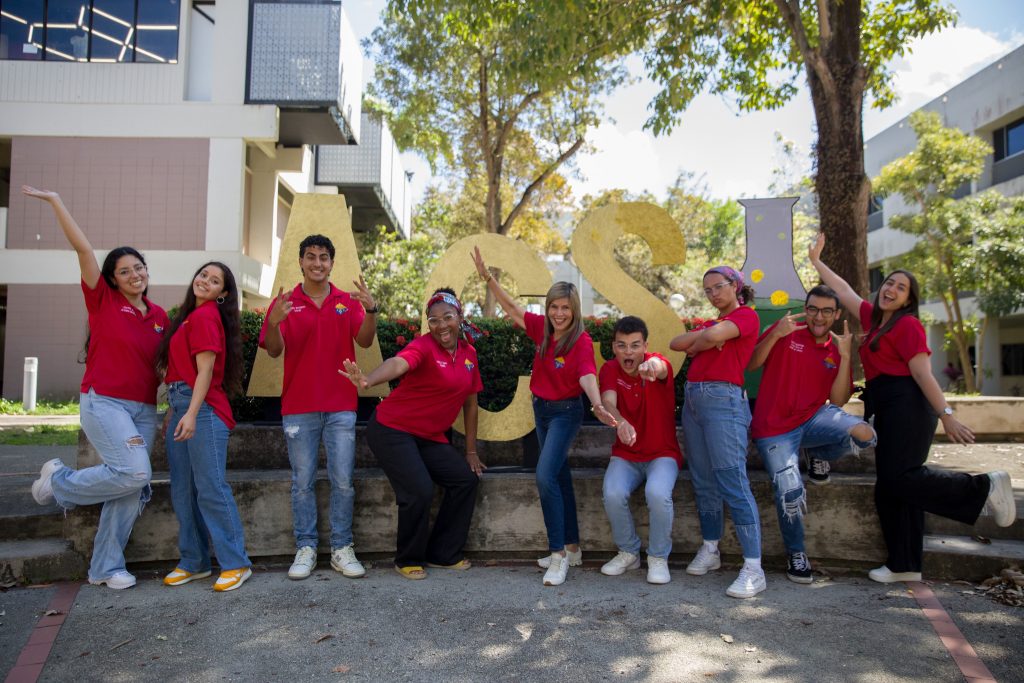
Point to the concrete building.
(181, 127)
(990, 105)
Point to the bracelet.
(373, 311)
(470, 452)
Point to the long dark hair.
(107, 274)
(910, 308)
(227, 306)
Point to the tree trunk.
(979, 345)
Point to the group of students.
(807, 378)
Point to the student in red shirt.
(904, 398)
(316, 327)
(202, 356)
(716, 416)
(807, 377)
(118, 399)
(638, 391)
(563, 369)
(440, 376)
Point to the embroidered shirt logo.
(829, 362)
(158, 328)
(441, 363)
(128, 309)
(340, 308)
(469, 365)
(559, 362)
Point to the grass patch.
(42, 408)
(44, 435)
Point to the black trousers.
(413, 465)
(905, 489)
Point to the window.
(90, 30)
(1008, 140)
(874, 204)
(1013, 359)
(875, 279)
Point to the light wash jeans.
(122, 433)
(200, 493)
(303, 433)
(557, 423)
(716, 417)
(826, 436)
(620, 480)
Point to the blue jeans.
(557, 423)
(716, 417)
(303, 433)
(620, 480)
(202, 499)
(122, 433)
(826, 436)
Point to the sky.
(731, 152)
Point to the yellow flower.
(779, 298)
(756, 275)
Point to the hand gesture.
(354, 374)
(45, 195)
(788, 324)
(602, 414)
(626, 433)
(816, 247)
(648, 370)
(844, 341)
(186, 428)
(362, 294)
(280, 309)
(478, 261)
(957, 431)
(474, 464)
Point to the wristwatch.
(374, 310)
(947, 411)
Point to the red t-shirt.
(557, 378)
(905, 340)
(316, 341)
(797, 380)
(728, 363)
(123, 343)
(432, 392)
(649, 407)
(201, 331)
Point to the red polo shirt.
(201, 331)
(649, 407)
(316, 341)
(905, 340)
(728, 363)
(797, 380)
(430, 395)
(123, 344)
(556, 377)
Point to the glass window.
(1015, 138)
(21, 29)
(157, 31)
(1013, 359)
(112, 32)
(67, 22)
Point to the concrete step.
(20, 516)
(39, 561)
(964, 557)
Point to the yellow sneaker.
(231, 579)
(180, 577)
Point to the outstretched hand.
(478, 261)
(788, 324)
(602, 414)
(354, 374)
(816, 247)
(844, 341)
(362, 294)
(280, 308)
(45, 195)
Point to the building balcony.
(304, 58)
(371, 177)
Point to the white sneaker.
(559, 567)
(344, 560)
(749, 583)
(657, 570)
(704, 561)
(304, 562)
(118, 581)
(42, 488)
(620, 564)
(885, 575)
(575, 559)
(999, 504)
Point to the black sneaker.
(798, 568)
(818, 471)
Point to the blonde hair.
(563, 290)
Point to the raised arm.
(847, 296)
(512, 309)
(87, 262)
(840, 392)
(364, 337)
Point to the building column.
(225, 195)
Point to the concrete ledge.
(991, 418)
(963, 557)
(39, 561)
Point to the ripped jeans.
(122, 433)
(826, 436)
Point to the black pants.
(413, 465)
(905, 489)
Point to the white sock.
(752, 564)
(712, 546)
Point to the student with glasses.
(118, 400)
(907, 402)
(716, 416)
(563, 370)
(440, 376)
(807, 377)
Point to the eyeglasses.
(138, 269)
(714, 289)
(825, 312)
(446, 319)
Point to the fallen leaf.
(750, 648)
(51, 612)
(726, 637)
(161, 637)
(340, 669)
(326, 636)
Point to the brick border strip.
(966, 659)
(32, 659)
